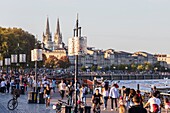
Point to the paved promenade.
(24, 107)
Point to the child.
(167, 104)
(121, 101)
(122, 109)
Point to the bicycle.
(97, 108)
(13, 103)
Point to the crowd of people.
(127, 100)
(123, 100)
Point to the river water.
(145, 85)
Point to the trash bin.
(87, 109)
(13, 88)
(32, 97)
(35, 97)
(22, 88)
(41, 98)
(66, 109)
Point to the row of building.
(88, 56)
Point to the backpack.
(155, 108)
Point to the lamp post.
(18, 58)
(7, 61)
(1, 65)
(36, 55)
(1, 62)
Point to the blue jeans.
(105, 101)
(84, 98)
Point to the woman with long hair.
(47, 95)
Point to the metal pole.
(76, 75)
(35, 76)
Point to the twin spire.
(48, 27)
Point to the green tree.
(133, 67)
(147, 66)
(140, 67)
(93, 68)
(51, 62)
(83, 68)
(63, 62)
(107, 68)
(9, 39)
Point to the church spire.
(58, 27)
(47, 27)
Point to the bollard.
(138, 86)
(30, 98)
(22, 90)
(66, 109)
(41, 98)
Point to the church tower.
(47, 38)
(58, 43)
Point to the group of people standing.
(127, 100)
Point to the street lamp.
(1, 64)
(18, 58)
(7, 61)
(36, 55)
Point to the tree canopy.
(11, 37)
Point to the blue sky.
(129, 25)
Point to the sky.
(122, 25)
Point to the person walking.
(62, 87)
(3, 84)
(8, 86)
(105, 95)
(47, 95)
(114, 95)
(137, 108)
(83, 90)
(97, 100)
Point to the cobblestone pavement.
(24, 107)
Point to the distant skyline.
(123, 25)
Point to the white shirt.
(114, 92)
(105, 93)
(152, 101)
(2, 83)
(62, 86)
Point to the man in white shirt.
(153, 100)
(114, 95)
(3, 85)
(62, 87)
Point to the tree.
(63, 62)
(9, 39)
(51, 62)
(83, 68)
(99, 68)
(133, 67)
(147, 66)
(93, 68)
(140, 67)
(107, 68)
